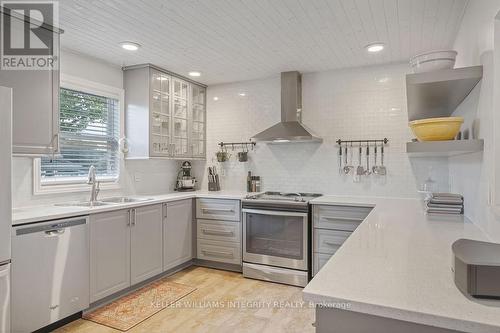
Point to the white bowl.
(432, 61)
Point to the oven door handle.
(273, 212)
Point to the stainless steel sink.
(82, 204)
(124, 199)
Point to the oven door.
(275, 238)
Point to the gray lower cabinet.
(332, 225)
(125, 249)
(218, 230)
(146, 243)
(109, 253)
(219, 251)
(177, 233)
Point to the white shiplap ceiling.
(235, 40)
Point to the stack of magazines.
(445, 203)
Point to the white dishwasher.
(50, 272)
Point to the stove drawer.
(219, 230)
(218, 209)
(329, 241)
(346, 218)
(225, 252)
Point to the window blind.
(89, 130)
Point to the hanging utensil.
(382, 170)
(375, 166)
(347, 168)
(360, 170)
(367, 171)
(340, 159)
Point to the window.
(89, 134)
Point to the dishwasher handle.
(54, 232)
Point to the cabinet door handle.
(217, 254)
(135, 217)
(129, 220)
(226, 210)
(342, 218)
(217, 233)
(331, 244)
(164, 210)
(53, 307)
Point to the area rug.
(132, 309)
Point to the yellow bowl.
(436, 129)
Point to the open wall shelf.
(444, 148)
(438, 93)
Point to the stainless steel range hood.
(290, 129)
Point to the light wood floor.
(199, 313)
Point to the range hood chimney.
(290, 129)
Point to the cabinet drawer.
(219, 251)
(218, 209)
(319, 260)
(219, 230)
(329, 241)
(345, 218)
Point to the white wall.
(91, 69)
(475, 35)
(153, 176)
(362, 103)
(474, 175)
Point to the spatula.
(360, 170)
(382, 169)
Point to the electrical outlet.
(138, 176)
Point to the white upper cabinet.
(35, 104)
(165, 115)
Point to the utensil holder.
(213, 183)
(213, 187)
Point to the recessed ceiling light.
(130, 46)
(375, 47)
(194, 74)
(242, 94)
(216, 98)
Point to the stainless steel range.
(276, 237)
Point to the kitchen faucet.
(91, 180)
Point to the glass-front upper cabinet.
(180, 118)
(198, 138)
(160, 114)
(165, 115)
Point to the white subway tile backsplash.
(361, 103)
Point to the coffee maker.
(185, 182)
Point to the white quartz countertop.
(24, 215)
(398, 264)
